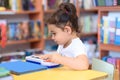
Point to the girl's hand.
(45, 57)
(55, 57)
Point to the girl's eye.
(53, 34)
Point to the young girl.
(63, 25)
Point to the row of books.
(106, 2)
(18, 55)
(87, 4)
(88, 23)
(53, 4)
(110, 30)
(113, 60)
(3, 30)
(23, 30)
(17, 5)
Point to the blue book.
(20, 67)
(101, 31)
(117, 34)
(105, 58)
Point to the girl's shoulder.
(77, 41)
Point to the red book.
(118, 64)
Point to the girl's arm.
(79, 63)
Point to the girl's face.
(61, 37)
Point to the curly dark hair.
(65, 15)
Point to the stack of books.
(5, 74)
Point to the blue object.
(105, 58)
(20, 67)
(55, 66)
(117, 34)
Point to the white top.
(73, 50)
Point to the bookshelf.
(36, 14)
(22, 41)
(88, 34)
(83, 12)
(105, 48)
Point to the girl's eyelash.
(53, 33)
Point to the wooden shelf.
(49, 11)
(109, 47)
(88, 34)
(109, 8)
(22, 41)
(27, 12)
(89, 10)
(8, 12)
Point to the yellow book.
(105, 25)
(19, 5)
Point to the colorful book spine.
(105, 26)
(117, 34)
(109, 2)
(105, 58)
(118, 64)
(3, 32)
(118, 2)
(114, 2)
(112, 61)
(101, 2)
(101, 31)
(13, 4)
(112, 27)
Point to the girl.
(63, 25)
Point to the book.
(3, 32)
(105, 26)
(112, 61)
(112, 28)
(105, 58)
(118, 64)
(21, 67)
(117, 34)
(101, 2)
(4, 72)
(109, 2)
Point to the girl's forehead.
(52, 27)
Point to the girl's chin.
(60, 44)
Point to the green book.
(4, 72)
(101, 3)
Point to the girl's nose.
(53, 37)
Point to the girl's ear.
(67, 29)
